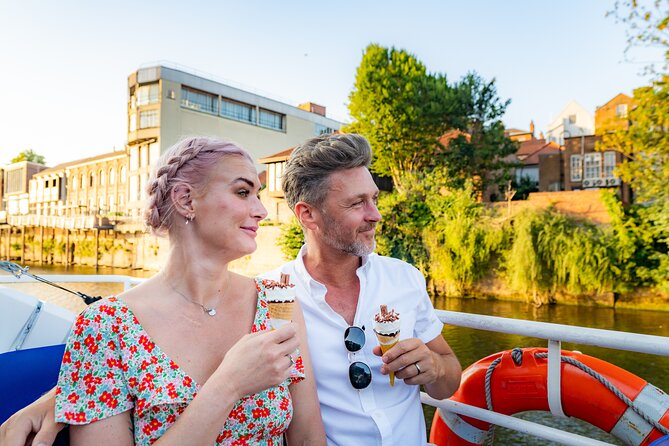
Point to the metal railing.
(127, 281)
(554, 334)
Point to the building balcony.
(54, 221)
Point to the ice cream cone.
(387, 329)
(280, 300)
(388, 342)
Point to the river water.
(471, 345)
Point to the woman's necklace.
(211, 311)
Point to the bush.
(291, 239)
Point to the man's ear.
(307, 215)
(182, 199)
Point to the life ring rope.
(517, 357)
(611, 388)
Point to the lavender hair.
(189, 161)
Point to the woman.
(186, 357)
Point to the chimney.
(532, 128)
(312, 108)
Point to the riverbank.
(640, 299)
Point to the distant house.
(520, 135)
(586, 168)
(529, 154)
(573, 120)
(614, 115)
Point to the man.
(341, 283)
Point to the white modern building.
(167, 104)
(573, 120)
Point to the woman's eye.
(243, 193)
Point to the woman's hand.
(256, 362)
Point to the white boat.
(38, 329)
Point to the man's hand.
(433, 365)
(33, 425)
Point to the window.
(134, 187)
(148, 94)
(238, 111)
(199, 100)
(148, 119)
(101, 174)
(112, 176)
(572, 119)
(271, 119)
(83, 182)
(143, 156)
(621, 110)
(74, 183)
(609, 164)
(576, 168)
(123, 175)
(132, 122)
(14, 181)
(91, 180)
(134, 158)
(593, 166)
(322, 130)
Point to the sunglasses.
(359, 373)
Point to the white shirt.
(379, 414)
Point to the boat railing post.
(555, 378)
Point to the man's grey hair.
(308, 169)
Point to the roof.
(614, 98)
(277, 157)
(81, 161)
(512, 131)
(529, 151)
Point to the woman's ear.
(307, 215)
(182, 199)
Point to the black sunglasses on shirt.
(359, 373)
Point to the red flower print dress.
(111, 365)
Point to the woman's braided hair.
(188, 161)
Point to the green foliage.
(401, 109)
(291, 239)
(647, 26)
(479, 155)
(400, 232)
(644, 230)
(551, 252)
(29, 155)
(523, 188)
(445, 233)
(463, 241)
(84, 248)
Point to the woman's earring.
(189, 218)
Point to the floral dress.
(111, 365)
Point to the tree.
(479, 154)
(401, 109)
(645, 149)
(29, 155)
(647, 25)
(404, 111)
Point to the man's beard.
(334, 236)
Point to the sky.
(64, 65)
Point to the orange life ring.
(518, 388)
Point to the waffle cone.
(388, 342)
(280, 312)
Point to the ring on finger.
(417, 368)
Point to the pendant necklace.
(211, 311)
